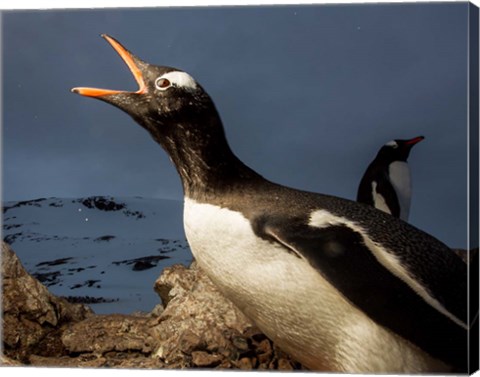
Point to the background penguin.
(338, 285)
(386, 183)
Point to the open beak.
(414, 141)
(132, 63)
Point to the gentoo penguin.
(338, 285)
(386, 183)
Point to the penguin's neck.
(206, 164)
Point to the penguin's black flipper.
(344, 257)
(385, 187)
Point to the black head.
(166, 96)
(398, 149)
(179, 115)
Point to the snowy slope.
(109, 249)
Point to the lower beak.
(132, 63)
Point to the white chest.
(288, 300)
(244, 266)
(399, 173)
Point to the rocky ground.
(197, 328)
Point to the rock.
(7, 362)
(67, 361)
(199, 327)
(31, 315)
(465, 255)
(245, 363)
(241, 343)
(101, 334)
(196, 327)
(264, 351)
(157, 310)
(204, 359)
(196, 316)
(285, 364)
(176, 276)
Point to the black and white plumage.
(386, 184)
(338, 285)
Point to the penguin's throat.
(207, 165)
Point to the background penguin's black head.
(166, 96)
(398, 149)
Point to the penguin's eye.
(162, 83)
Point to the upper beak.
(415, 140)
(133, 64)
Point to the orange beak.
(129, 59)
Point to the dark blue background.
(308, 94)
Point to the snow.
(91, 246)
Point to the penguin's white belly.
(290, 301)
(399, 174)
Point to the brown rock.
(467, 256)
(264, 351)
(285, 364)
(241, 343)
(67, 361)
(189, 341)
(30, 313)
(197, 328)
(197, 317)
(176, 278)
(245, 363)
(264, 346)
(204, 359)
(7, 362)
(200, 322)
(116, 332)
(97, 361)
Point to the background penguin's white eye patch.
(177, 79)
(162, 83)
(392, 144)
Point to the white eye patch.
(392, 143)
(178, 79)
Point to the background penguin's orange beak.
(131, 62)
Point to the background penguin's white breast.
(399, 174)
